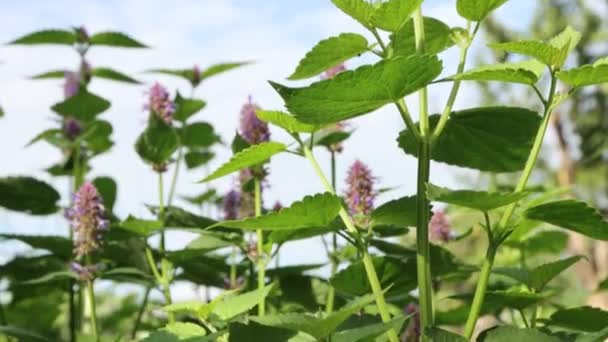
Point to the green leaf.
(286, 121)
(572, 215)
(188, 74)
(28, 195)
(391, 15)
(477, 10)
(198, 134)
(107, 188)
(317, 327)
(57, 245)
(113, 75)
(51, 277)
(251, 156)
(400, 212)
(22, 334)
(566, 41)
(240, 332)
(209, 242)
(221, 68)
(584, 318)
(83, 106)
(536, 278)
(353, 93)
(603, 285)
(312, 211)
(586, 75)
(509, 334)
(525, 72)
(197, 158)
(97, 136)
(232, 306)
(117, 39)
(360, 10)
(367, 332)
(185, 108)
(141, 227)
(440, 335)
(507, 134)
(478, 200)
(63, 37)
(185, 329)
(599, 336)
(50, 74)
(436, 35)
(329, 53)
(157, 143)
(514, 298)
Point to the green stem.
(140, 313)
(260, 247)
(372, 277)
(521, 185)
(233, 268)
(164, 278)
(178, 162)
(91, 297)
(331, 294)
(3, 320)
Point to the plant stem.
(178, 162)
(372, 277)
(260, 246)
(521, 185)
(91, 297)
(140, 313)
(331, 294)
(164, 279)
(233, 268)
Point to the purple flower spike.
(232, 201)
(84, 272)
(333, 71)
(71, 84)
(87, 219)
(412, 333)
(71, 128)
(160, 103)
(440, 228)
(253, 130)
(360, 194)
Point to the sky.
(273, 34)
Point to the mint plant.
(402, 270)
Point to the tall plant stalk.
(260, 247)
(331, 294)
(488, 263)
(372, 276)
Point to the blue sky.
(274, 34)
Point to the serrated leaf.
(251, 156)
(477, 10)
(541, 51)
(62, 37)
(536, 278)
(572, 215)
(510, 334)
(83, 106)
(28, 195)
(566, 40)
(22, 334)
(368, 332)
(400, 212)
(353, 93)
(329, 53)
(117, 39)
(233, 306)
(584, 318)
(57, 245)
(507, 134)
(526, 72)
(440, 335)
(312, 211)
(157, 143)
(286, 121)
(141, 227)
(240, 332)
(479, 200)
(436, 35)
(113, 75)
(360, 10)
(585, 75)
(391, 15)
(185, 107)
(198, 134)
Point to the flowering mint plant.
(423, 266)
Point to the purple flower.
(85, 272)
(247, 198)
(87, 219)
(71, 128)
(232, 201)
(160, 103)
(333, 71)
(253, 130)
(196, 75)
(440, 228)
(412, 333)
(277, 206)
(360, 193)
(71, 84)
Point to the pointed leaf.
(477, 10)
(353, 93)
(221, 68)
(117, 39)
(197, 158)
(63, 37)
(50, 74)
(141, 227)
(28, 195)
(185, 107)
(436, 35)
(84, 106)
(572, 215)
(251, 156)
(526, 72)
(391, 15)
(400, 212)
(286, 121)
(507, 134)
(360, 10)
(586, 75)
(240, 332)
(22, 334)
(440, 335)
(479, 200)
(543, 274)
(198, 134)
(107, 188)
(367, 332)
(510, 334)
(584, 318)
(329, 53)
(113, 75)
(312, 211)
(51, 277)
(232, 306)
(157, 143)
